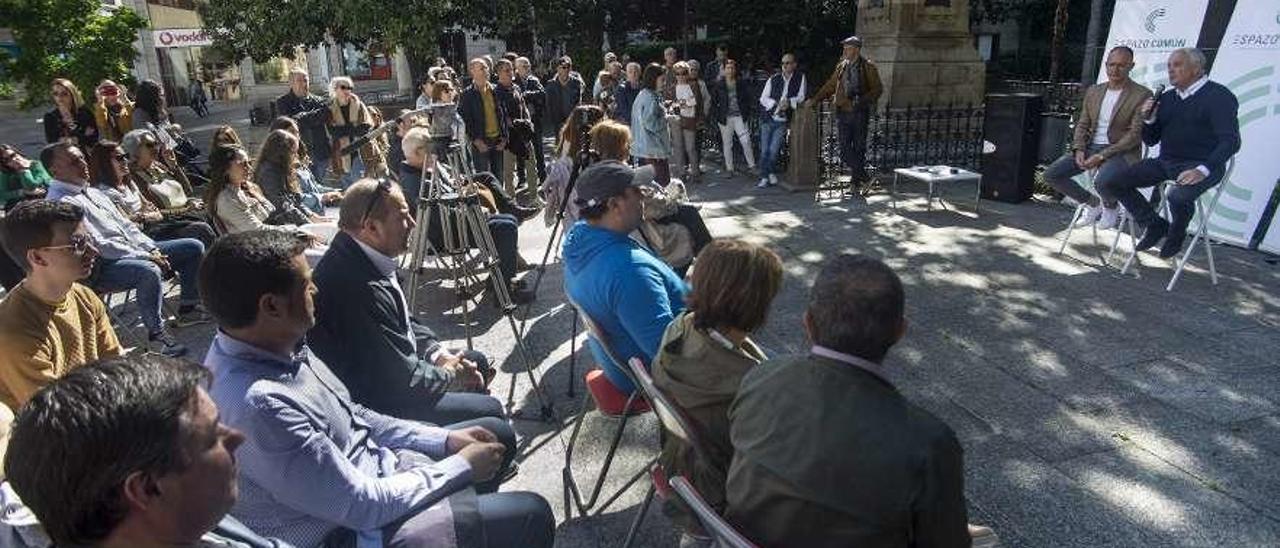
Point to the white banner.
(1248, 63)
(1153, 28)
(181, 38)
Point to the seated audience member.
(129, 259)
(109, 172)
(20, 178)
(620, 284)
(504, 214)
(664, 206)
(276, 173)
(49, 323)
(399, 366)
(314, 195)
(1198, 130)
(826, 451)
(317, 466)
(706, 351)
(583, 119)
(158, 174)
(128, 452)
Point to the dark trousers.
(539, 154)
(851, 127)
(661, 169)
(490, 160)
(1150, 172)
(175, 228)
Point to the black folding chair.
(674, 423)
(719, 529)
(572, 492)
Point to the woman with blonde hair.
(348, 120)
(113, 112)
(70, 118)
(706, 351)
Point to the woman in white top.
(689, 106)
(237, 205)
(109, 171)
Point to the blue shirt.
(115, 236)
(313, 460)
(626, 289)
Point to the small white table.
(934, 175)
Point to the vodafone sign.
(181, 38)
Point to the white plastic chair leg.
(1071, 227)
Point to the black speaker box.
(1012, 124)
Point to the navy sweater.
(1201, 128)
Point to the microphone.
(1155, 103)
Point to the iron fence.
(903, 137)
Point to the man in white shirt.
(129, 259)
(781, 94)
(1108, 138)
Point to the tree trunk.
(1059, 35)
(1093, 44)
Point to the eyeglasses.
(384, 187)
(120, 156)
(79, 244)
(348, 88)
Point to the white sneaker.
(764, 183)
(773, 179)
(1110, 218)
(1089, 216)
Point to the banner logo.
(1151, 19)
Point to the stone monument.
(924, 50)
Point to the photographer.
(520, 133)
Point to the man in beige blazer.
(1108, 138)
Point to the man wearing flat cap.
(855, 87)
(621, 285)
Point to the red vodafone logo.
(175, 38)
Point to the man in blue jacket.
(1197, 129)
(623, 286)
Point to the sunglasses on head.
(384, 187)
(79, 244)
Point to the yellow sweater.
(42, 341)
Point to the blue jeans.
(319, 168)
(352, 175)
(1059, 174)
(772, 135)
(145, 278)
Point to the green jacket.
(13, 185)
(829, 454)
(702, 376)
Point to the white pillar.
(318, 65)
(404, 79)
(146, 66)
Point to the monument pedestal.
(924, 51)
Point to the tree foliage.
(73, 39)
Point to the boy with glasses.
(49, 323)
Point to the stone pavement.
(1095, 409)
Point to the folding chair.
(1199, 227)
(571, 488)
(1126, 223)
(674, 423)
(719, 529)
(132, 329)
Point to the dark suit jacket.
(557, 112)
(720, 100)
(360, 333)
(471, 107)
(829, 454)
(312, 114)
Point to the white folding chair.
(1199, 227)
(1126, 223)
(572, 493)
(719, 529)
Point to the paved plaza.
(1095, 409)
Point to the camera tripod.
(446, 204)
